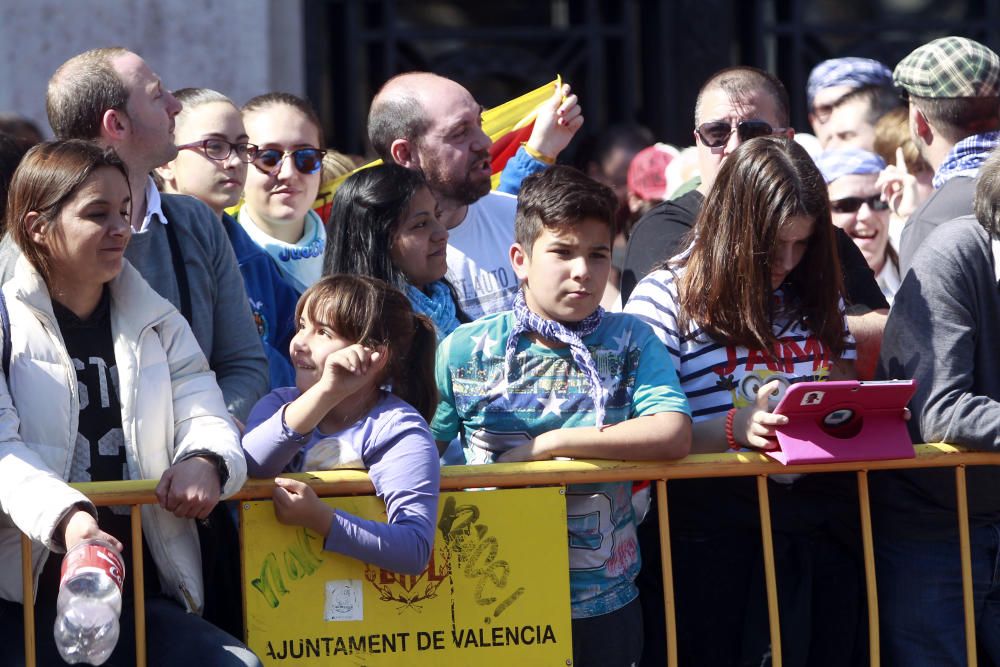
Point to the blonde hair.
(892, 131)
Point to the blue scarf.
(966, 157)
(439, 305)
(301, 263)
(526, 321)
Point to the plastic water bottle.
(90, 601)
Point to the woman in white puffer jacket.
(108, 383)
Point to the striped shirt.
(717, 377)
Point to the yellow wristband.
(541, 157)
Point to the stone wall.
(239, 47)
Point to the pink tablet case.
(844, 421)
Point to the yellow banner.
(518, 112)
(496, 589)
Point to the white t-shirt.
(889, 280)
(479, 256)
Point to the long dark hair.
(366, 214)
(725, 289)
(372, 312)
(47, 177)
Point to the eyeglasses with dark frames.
(220, 149)
(716, 133)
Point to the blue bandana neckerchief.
(966, 157)
(526, 321)
(439, 305)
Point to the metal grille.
(498, 50)
(794, 35)
(630, 60)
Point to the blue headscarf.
(852, 72)
(839, 162)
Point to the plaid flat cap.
(851, 71)
(950, 67)
(839, 162)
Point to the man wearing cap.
(953, 85)
(943, 332)
(857, 207)
(831, 80)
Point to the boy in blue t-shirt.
(558, 376)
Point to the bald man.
(426, 122)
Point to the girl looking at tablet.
(751, 307)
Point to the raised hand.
(558, 120)
(351, 368)
(899, 187)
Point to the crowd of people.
(179, 310)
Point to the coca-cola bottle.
(90, 601)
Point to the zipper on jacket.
(38, 563)
(167, 566)
(189, 600)
(71, 383)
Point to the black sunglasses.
(716, 133)
(306, 160)
(853, 204)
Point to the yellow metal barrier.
(511, 475)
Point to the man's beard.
(461, 192)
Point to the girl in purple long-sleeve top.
(364, 376)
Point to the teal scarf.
(439, 305)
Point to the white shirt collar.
(995, 245)
(154, 206)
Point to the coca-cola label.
(93, 555)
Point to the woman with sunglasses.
(282, 185)
(857, 207)
(751, 307)
(211, 165)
